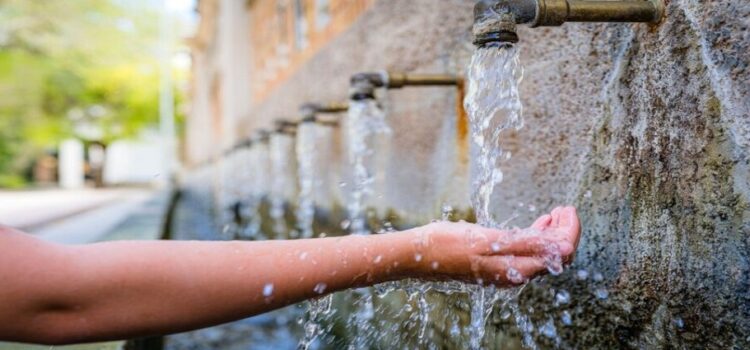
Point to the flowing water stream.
(306, 160)
(366, 121)
(258, 184)
(494, 107)
(281, 152)
(309, 154)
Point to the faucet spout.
(495, 20)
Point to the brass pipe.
(363, 85)
(313, 112)
(557, 12)
(261, 136)
(495, 20)
(287, 127)
(399, 80)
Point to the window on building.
(322, 14)
(300, 24)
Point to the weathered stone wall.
(646, 129)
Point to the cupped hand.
(473, 253)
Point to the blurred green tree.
(85, 68)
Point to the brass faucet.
(287, 127)
(323, 114)
(495, 20)
(363, 85)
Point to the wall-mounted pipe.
(288, 127)
(495, 20)
(363, 85)
(261, 136)
(323, 114)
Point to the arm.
(65, 294)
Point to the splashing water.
(366, 121)
(494, 106)
(306, 160)
(281, 147)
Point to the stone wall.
(646, 129)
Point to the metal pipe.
(261, 136)
(557, 12)
(314, 113)
(399, 80)
(363, 85)
(495, 20)
(287, 127)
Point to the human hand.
(476, 254)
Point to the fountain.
(494, 107)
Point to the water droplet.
(342, 184)
(378, 259)
(435, 265)
(566, 318)
(303, 255)
(532, 208)
(602, 293)
(598, 277)
(346, 224)
(455, 331)
(548, 329)
(320, 288)
(582, 275)
(562, 297)
(514, 276)
(447, 212)
(417, 257)
(588, 194)
(679, 323)
(268, 290)
(505, 314)
(554, 264)
(495, 246)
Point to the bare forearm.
(56, 294)
(118, 290)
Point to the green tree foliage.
(82, 68)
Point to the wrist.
(400, 256)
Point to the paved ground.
(75, 217)
(33, 209)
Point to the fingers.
(542, 222)
(534, 246)
(556, 216)
(510, 270)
